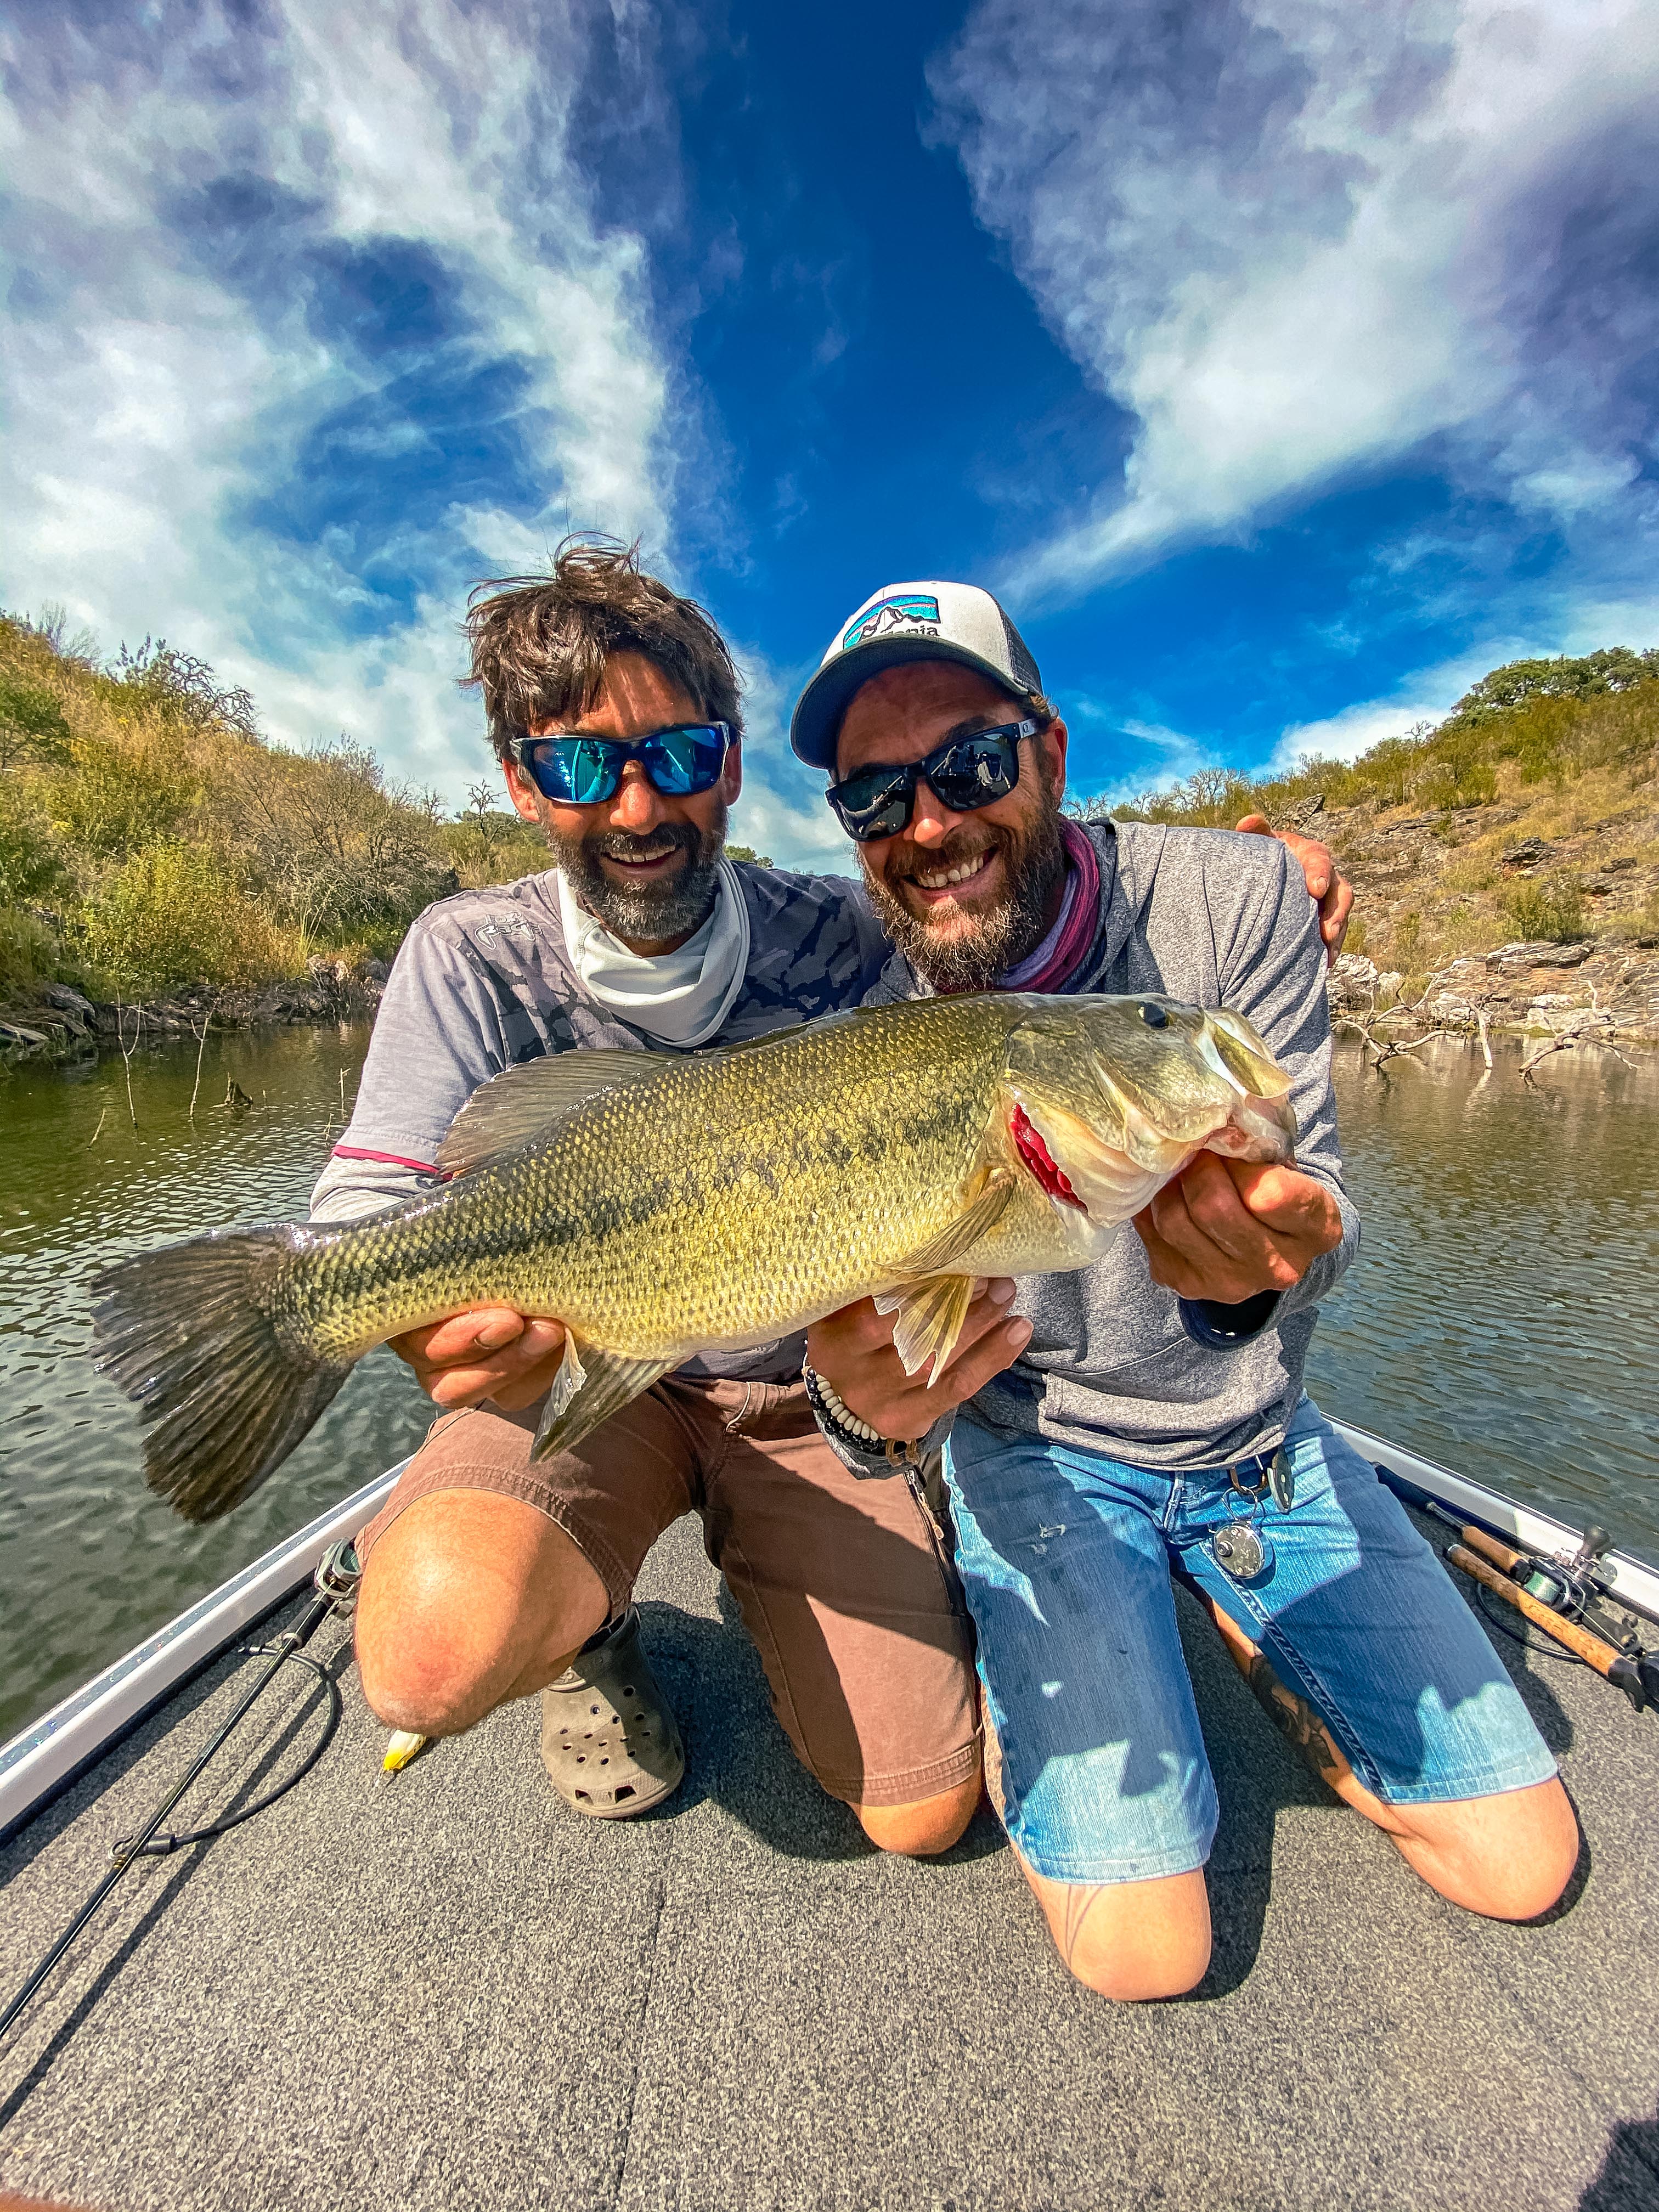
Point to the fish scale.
(698, 1203)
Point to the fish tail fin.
(191, 1335)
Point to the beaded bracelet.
(838, 1418)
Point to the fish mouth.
(1259, 1129)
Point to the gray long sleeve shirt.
(484, 980)
(1216, 919)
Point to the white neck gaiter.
(683, 996)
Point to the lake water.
(1502, 1317)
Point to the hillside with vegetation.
(154, 845)
(152, 841)
(1506, 859)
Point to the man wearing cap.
(1148, 1414)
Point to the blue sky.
(1284, 365)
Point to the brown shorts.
(844, 1584)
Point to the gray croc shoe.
(608, 1741)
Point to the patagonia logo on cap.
(912, 611)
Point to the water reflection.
(89, 1561)
(1501, 1317)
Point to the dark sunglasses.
(962, 773)
(584, 771)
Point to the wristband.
(844, 1426)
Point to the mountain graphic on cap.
(926, 621)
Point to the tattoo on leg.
(1080, 1901)
(1296, 1721)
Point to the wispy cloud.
(314, 318)
(782, 812)
(1296, 237)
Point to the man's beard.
(647, 913)
(998, 937)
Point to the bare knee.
(468, 1600)
(430, 1686)
(1139, 1974)
(1132, 1941)
(1508, 1858)
(923, 1830)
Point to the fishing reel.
(339, 1573)
(1576, 1587)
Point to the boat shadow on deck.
(447, 1991)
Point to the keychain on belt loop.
(1241, 1549)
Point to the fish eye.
(1154, 1016)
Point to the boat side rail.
(49, 1755)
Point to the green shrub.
(1552, 908)
(29, 864)
(28, 953)
(122, 792)
(32, 724)
(168, 916)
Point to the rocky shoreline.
(1525, 989)
(67, 1025)
(1537, 990)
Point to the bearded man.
(1152, 1415)
(612, 705)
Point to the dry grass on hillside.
(150, 839)
(1531, 812)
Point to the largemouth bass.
(660, 1207)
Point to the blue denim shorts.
(1065, 1556)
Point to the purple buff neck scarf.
(1062, 950)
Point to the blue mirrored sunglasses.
(579, 771)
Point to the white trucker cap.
(909, 622)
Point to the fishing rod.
(1569, 1599)
(336, 1584)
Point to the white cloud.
(1296, 237)
(782, 812)
(1356, 729)
(163, 383)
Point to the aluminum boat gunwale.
(48, 1755)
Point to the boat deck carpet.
(447, 1992)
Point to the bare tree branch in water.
(1381, 1045)
(1595, 1025)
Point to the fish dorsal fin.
(522, 1104)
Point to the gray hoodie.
(1115, 1364)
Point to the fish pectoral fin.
(977, 1220)
(587, 1391)
(566, 1383)
(523, 1102)
(931, 1297)
(930, 1319)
